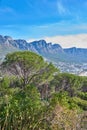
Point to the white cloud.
(66, 41)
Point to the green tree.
(27, 66)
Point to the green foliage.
(69, 82)
(20, 110)
(47, 74)
(5, 82)
(81, 103)
(63, 112)
(62, 98)
(25, 59)
(35, 96)
(28, 67)
(82, 95)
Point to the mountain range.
(50, 51)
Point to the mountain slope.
(77, 54)
(53, 52)
(5, 46)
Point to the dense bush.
(35, 96)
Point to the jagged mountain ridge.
(6, 46)
(53, 52)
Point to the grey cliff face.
(51, 51)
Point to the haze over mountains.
(52, 52)
(67, 41)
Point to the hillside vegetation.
(34, 95)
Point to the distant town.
(78, 69)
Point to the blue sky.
(32, 19)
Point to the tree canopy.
(27, 66)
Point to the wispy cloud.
(44, 31)
(6, 10)
(61, 8)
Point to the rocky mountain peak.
(8, 38)
(48, 50)
(2, 39)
